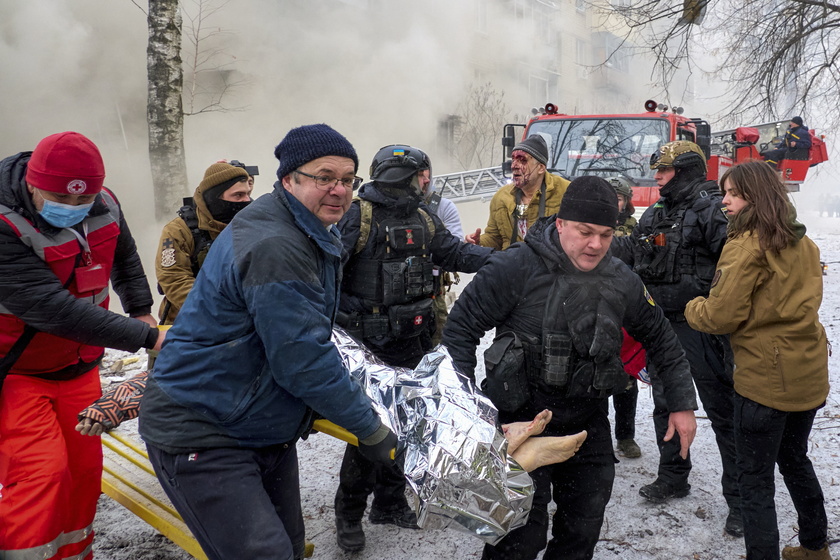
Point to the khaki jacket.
(500, 225)
(173, 266)
(769, 303)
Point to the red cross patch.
(418, 320)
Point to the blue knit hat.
(312, 141)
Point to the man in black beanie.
(250, 358)
(532, 194)
(558, 304)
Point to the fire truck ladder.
(476, 184)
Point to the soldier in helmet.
(626, 221)
(674, 249)
(387, 302)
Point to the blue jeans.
(765, 437)
(238, 503)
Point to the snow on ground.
(688, 528)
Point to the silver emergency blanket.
(456, 459)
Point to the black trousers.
(625, 410)
(358, 478)
(710, 357)
(765, 437)
(581, 488)
(238, 503)
(778, 154)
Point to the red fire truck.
(621, 145)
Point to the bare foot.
(540, 451)
(518, 432)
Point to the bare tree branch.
(482, 115)
(776, 58)
(208, 68)
(139, 7)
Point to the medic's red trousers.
(50, 474)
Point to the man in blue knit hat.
(250, 359)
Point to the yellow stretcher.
(128, 478)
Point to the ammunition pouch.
(367, 326)
(404, 281)
(400, 321)
(391, 282)
(506, 381)
(558, 359)
(658, 264)
(412, 319)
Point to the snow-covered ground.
(688, 528)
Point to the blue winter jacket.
(250, 351)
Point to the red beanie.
(67, 163)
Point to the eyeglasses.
(327, 183)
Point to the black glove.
(606, 342)
(581, 310)
(379, 446)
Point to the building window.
(543, 24)
(580, 5)
(610, 52)
(538, 91)
(581, 59)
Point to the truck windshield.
(607, 146)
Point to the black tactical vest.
(583, 315)
(393, 274)
(670, 249)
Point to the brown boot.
(802, 553)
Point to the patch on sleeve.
(649, 298)
(167, 255)
(718, 274)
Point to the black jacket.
(694, 219)
(31, 292)
(511, 291)
(446, 251)
(801, 135)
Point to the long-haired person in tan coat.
(766, 294)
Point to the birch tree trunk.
(164, 111)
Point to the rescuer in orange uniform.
(62, 238)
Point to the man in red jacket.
(62, 238)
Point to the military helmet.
(397, 163)
(678, 154)
(621, 186)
